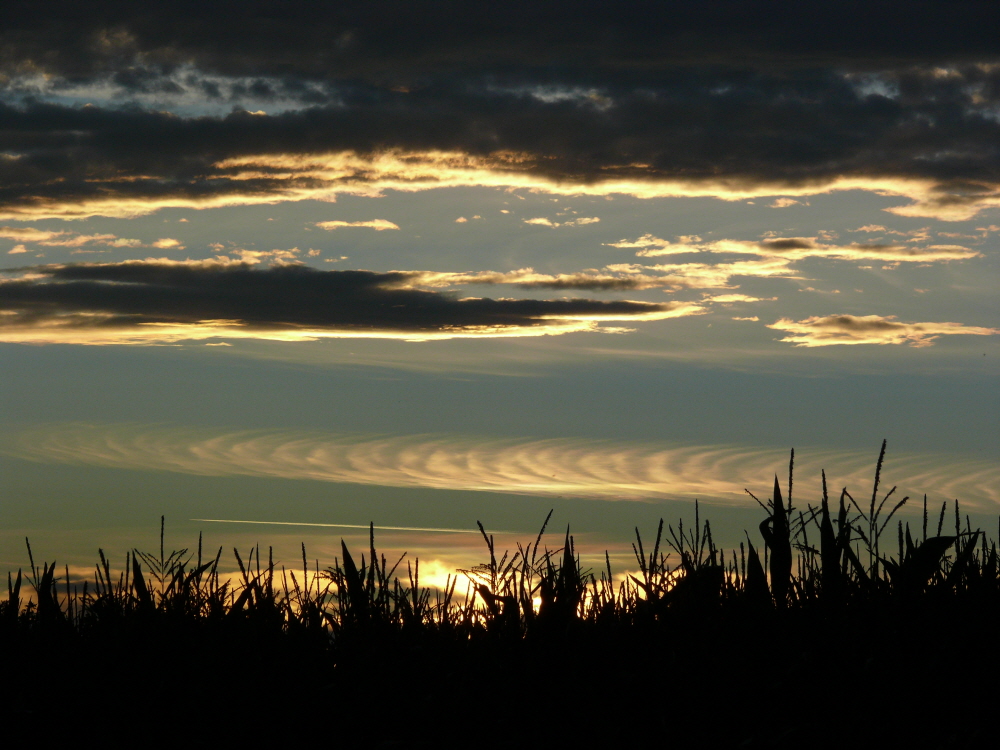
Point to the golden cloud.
(832, 330)
(611, 278)
(75, 240)
(28, 234)
(719, 275)
(582, 221)
(86, 330)
(274, 178)
(379, 225)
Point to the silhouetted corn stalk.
(533, 590)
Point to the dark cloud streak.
(281, 297)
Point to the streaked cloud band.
(545, 467)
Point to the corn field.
(845, 622)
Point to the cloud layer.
(161, 300)
(574, 468)
(120, 111)
(391, 42)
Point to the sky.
(423, 264)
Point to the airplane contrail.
(345, 526)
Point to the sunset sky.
(423, 264)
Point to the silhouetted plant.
(533, 590)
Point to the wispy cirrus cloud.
(718, 275)
(565, 467)
(48, 238)
(832, 330)
(800, 248)
(29, 234)
(712, 265)
(726, 299)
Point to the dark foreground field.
(847, 628)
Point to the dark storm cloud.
(795, 96)
(288, 301)
(393, 41)
(782, 134)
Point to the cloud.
(734, 104)
(167, 243)
(76, 240)
(564, 467)
(256, 257)
(728, 298)
(800, 248)
(141, 47)
(870, 329)
(641, 130)
(786, 202)
(17, 250)
(28, 234)
(379, 225)
(717, 275)
(582, 221)
(159, 300)
(610, 279)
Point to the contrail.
(345, 526)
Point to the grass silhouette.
(699, 646)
